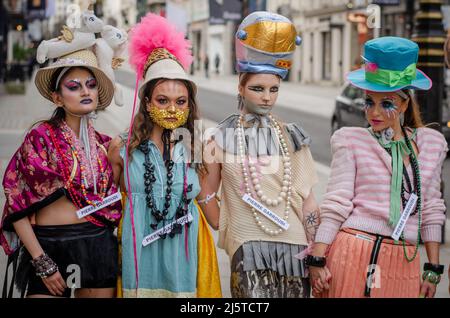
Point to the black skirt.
(86, 255)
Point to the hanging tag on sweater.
(266, 212)
(410, 206)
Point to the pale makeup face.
(78, 92)
(261, 89)
(383, 109)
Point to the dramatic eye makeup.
(274, 89)
(387, 103)
(389, 106)
(91, 83)
(75, 84)
(72, 85)
(256, 88)
(368, 103)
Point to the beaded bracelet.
(44, 266)
(431, 277)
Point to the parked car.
(349, 111)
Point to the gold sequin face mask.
(168, 119)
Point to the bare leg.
(95, 293)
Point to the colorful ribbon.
(398, 150)
(390, 78)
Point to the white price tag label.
(156, 235)
(266, 212)
(410, 206)
(99, 205)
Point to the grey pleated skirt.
(261, 269)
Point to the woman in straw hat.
(167, 249)
(266, 162)
(383, 195)
(61, 202)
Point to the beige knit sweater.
(237, 224)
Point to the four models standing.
(252, 180)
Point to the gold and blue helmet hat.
(265, 43)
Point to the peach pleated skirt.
(391, 276)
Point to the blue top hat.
(390, 65)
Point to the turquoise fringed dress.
(164, 268)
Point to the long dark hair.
(143, 124)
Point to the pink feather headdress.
(155, 32)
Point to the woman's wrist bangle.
(315, 261)
(44, 266)
(208, 198)
(431, 277)
(437, 268)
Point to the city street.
(310, 106)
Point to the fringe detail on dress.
(275, 256)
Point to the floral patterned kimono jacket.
(44, 169)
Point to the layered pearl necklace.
(285, 193)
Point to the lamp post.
(429, 35)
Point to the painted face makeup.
(74, 85)
(169, 105)
(256, 109)
(260, 93)
(169, 118)
(383, 109)
(387, 103)
(78, 93)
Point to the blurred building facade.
(119, 13)
(209, 25)
(334, 33)
(22, 23)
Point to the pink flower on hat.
(371, 67)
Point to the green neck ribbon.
(392, 78)
(398, 150)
